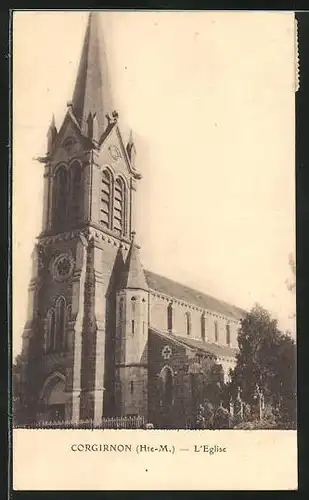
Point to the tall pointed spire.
(133, 275)
(92, 93)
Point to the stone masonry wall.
(158, 319)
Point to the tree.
(214, 385)
(207, 389)
(266, 362)
(284, 385)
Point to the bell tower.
(68, 355)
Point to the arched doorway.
(166, 396)
(54, 397)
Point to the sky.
(210, 99)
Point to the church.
(105, 337)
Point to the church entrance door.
(167, 397)
(54, 398)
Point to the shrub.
(269, 421)
(221, 418)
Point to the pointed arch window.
(119, 205)
(60, 198)
(50, 330)
(133, 305)
(216, 332)
(121, 310)
(60, 337)
(66, 343)
(170, 317)
(167, 387)
(56, 326)
(203, 326)
(76, 187)
(228, 334)
(188, 323)
(106, 199)
(145, 315)
(133, 310)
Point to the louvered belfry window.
(106, 192)
(119, 207)
(76, 194)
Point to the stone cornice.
(107, 235)
(88, 230)
(170, 298)
(47, 239)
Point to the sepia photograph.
(153, 262)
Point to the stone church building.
(104, 336)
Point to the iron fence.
(106, 423)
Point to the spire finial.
(131, 149)
(51, 134)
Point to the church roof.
(92, 93)
(133, 274)
(187, 294)
(210, 348)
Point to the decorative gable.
(69, 142)
(113, 153)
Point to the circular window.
(62, 267)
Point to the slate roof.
(206, 347)
(187, 294)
